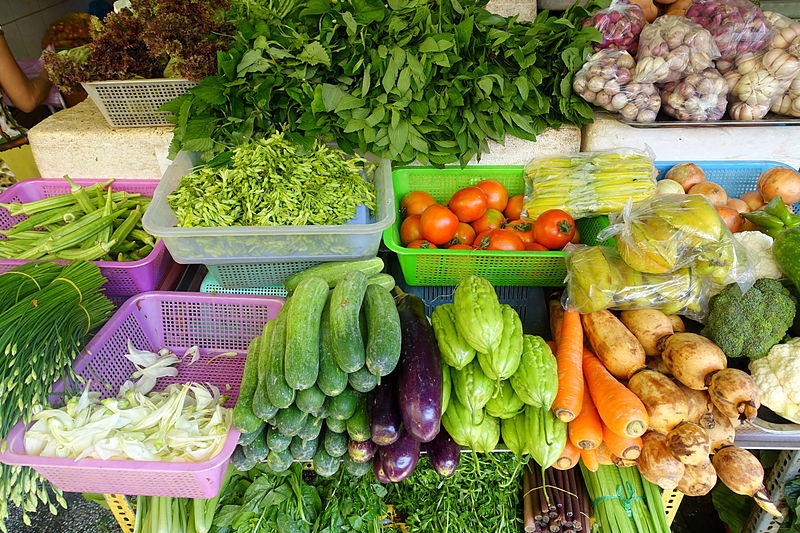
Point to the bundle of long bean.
(88, 224)
(623, 502)
(40, 336)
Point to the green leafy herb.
(733, 509)
(274, 182)
(484, 495)
(411, 80)
(355, 504)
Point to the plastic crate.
(447, 267)
(786, 467)
(124, 278)
(136, 103)
(217, 324)
(252, 256)
(211, 286)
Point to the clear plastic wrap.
(588, 184)
(764, 78)
(668, 232)
(700, 97)
(671, 48)
(620, 23)
(737, 26)
(598, 278)
(605, 80)
(789, 103)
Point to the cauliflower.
(778, 378)
(759, 252)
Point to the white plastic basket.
(786, 467)
(135, 103)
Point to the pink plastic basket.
(154, 320)
(124, 278)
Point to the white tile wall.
(25, 22)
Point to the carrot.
(590, 460)
(622, 446)
(569, 398)
(556, 311)
(552, 346)
(568, 458)
(604, 455)
(620, 409)
(586, 431)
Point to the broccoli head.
(750, 323)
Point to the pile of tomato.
(481, 217)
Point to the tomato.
(536, 247)
(438, 224)
(576, 239)
(554, 229)
(409, 230)
(514, 208)
(423, 244)
(460, 247)
(464, 234)
(492, 219)
(501, 239)
(415, 203)
(482, 240)
(496, 194)
(523, 228)
(468, 204)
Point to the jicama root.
(699, 403)
(649, 326)
(698, 480)
(689, 443)
(743, 474)
(719, 428)
(734, 393)
(657, 464)
(665, 402)
(691, 357)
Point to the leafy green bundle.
(424, 80)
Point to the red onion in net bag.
(620, 23)
(699, 97)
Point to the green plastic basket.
(447, 267)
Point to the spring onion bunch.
(624, 502)
(46, 313)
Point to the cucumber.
(324, 464)
(333, 271)
(279, 392)
(346, 299)
(331, 379)
(310, 400)
(311, 428)
(383, 280)
(337, 426)
(290, 421)
(263, 408)
(343, 406)
(243, 417)
(303, 450)
(257, 450)
(357, 469)
(383, 331)
(301, 359)
(358, 424)
(279, 461)
(361, 380)
(277, 441)
(335, 443)
(247, 438)
(240, 461)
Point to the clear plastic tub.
(266, 244)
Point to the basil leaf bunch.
(410, 80)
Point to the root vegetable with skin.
(665, 401)
(734, 393)
(699, 404)
(743, 474)
(677, 323)
(691, 357)
(649, 326)
(657, 464)
(698, 480)
(615, 345)
(689, 443)
(720, 430)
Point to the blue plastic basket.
(736, 177)
(211, 285)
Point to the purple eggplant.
(444, 453)
(384, 412)
(400, 459)
(361, 452)
(419, 384)
(377, 468)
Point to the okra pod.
(125, 247)
(71, 235)
(108, 208)
(122, 232)
(81, 196)
(143, 236)
(90, 254)
(29, 235)
(142, 252)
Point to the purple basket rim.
(149, 258)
